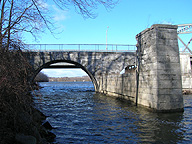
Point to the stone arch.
(46, 65)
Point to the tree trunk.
(9, 26)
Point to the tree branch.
(9, 28)
(17, 20)
(45, 21)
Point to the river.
(79, 115)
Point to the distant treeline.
(41, 77)
(69, 79)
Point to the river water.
(81, 116)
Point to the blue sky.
(125, 21)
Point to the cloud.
(59, 15)
(64, 72)
(166, 22)
(43, 4)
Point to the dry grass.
(14, 97)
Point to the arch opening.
(65, 64)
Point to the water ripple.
(81, 116)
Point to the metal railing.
(81, 47)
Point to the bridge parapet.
(80, 47)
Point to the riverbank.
(24, 125)
(20, 122)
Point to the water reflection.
(81, 116)
(139, 124)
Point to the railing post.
(77, 47)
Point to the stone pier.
(155, 81)
(160, 85)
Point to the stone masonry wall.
(122, 86)
(186, 71)
(160, 85)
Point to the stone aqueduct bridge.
(152, 75)
(93, 63)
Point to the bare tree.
(18, 16)
(86, 7)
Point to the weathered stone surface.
(47, 125)
(185, 59)
(94, 63)
(24, 139)
(38, 116)
(160, 73)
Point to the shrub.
(14, 88)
